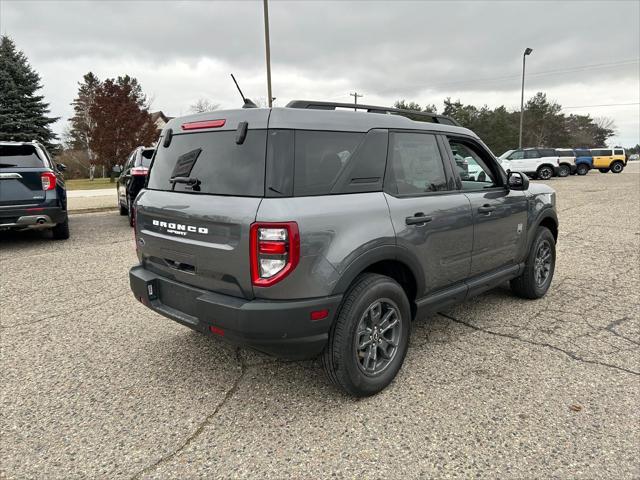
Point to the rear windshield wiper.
(192, 182)
(5, 165)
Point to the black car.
(132, 179)
(32, 190)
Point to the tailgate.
(200, 240)
(21, 187)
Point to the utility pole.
(527, 51)
(268, 49)
(355, 96)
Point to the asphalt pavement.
(94, 385)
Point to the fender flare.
(546, 213)
(379, 254)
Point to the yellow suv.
(605, 159)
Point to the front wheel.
(582, 169)
(617, 167)
(130, 214)
(564, 170)
(369, 338)
(603, 170)
(539, 267)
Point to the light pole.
(268, 50)
(527, 51)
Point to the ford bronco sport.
(305, 231)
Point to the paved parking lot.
(96, 386)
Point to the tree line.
(545, 125)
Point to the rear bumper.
(280, 328)
(31, 218)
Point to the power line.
(576, 68)
(604, 105)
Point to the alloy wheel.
(378, 336)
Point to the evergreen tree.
(23, 113)
(81, 124)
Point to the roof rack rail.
(318, 105)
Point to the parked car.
(132, 179)
(32, 190)
(609, 159)
(566, 162)
(539, 163)
(304, 231)
(634, 157)
(584, 160)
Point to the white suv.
(539, 163)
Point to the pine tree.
(81, 124)
(23, 113)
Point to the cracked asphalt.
(94, 385)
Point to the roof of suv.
(312, 119)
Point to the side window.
(547, 152)
(319, 158)
(531, 154)
(619, 152)
(479, 174)
(416, 163)
(517, 155)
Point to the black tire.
(603, 170)
(545, 172)
(564, 170)
(61, 230)
(123, 210)
(130, 214)
(528, 284)
(341, 359)
(582, 169)
(617, 167)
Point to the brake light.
(275, 251)
(139, 171)
(203, 124)
(48, 180)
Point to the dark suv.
(302, 231)
(32, 190)
(132, 179)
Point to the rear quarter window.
(215, 159)
(20, 156)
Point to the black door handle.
(486, 209)
(418, 218)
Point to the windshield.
(24, 156)
(212, 163)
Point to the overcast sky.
(584, 53)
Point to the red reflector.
(273, 248)
(37, 209)
(203, 124)
(319, 314)
(216, 330)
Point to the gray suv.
(305, 231)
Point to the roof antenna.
(247, 102)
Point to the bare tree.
(203, 105)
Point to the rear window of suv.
(24, 156)
(221, 166)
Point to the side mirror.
(61, 166)
(517, 181)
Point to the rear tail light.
(48, 180)
(139, 171)
(275, 251)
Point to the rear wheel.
(617, 167)
(368, 340)
(603, 170)
(61, 230)
(582, 169)
(545, 172)
(564, 170)
(539, 267)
